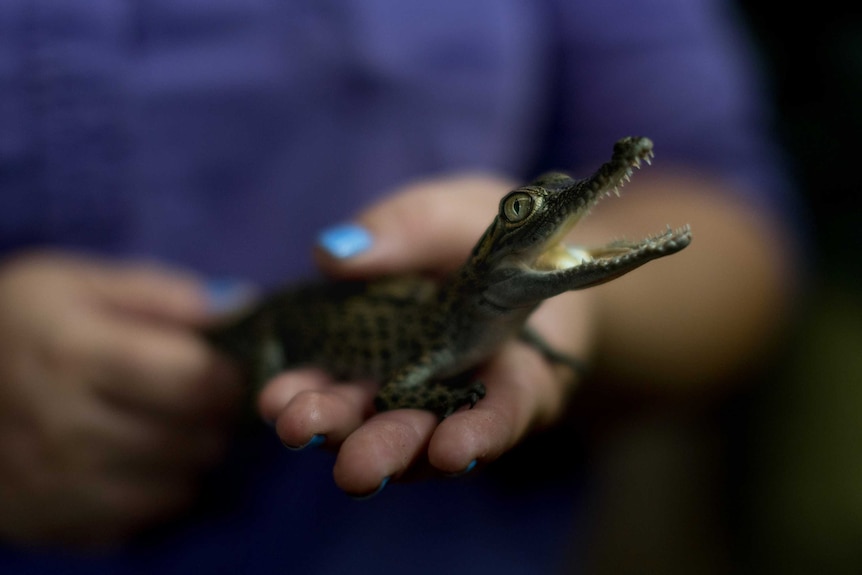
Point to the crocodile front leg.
(414, 387)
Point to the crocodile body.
(421, 339)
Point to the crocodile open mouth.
(622, 255)
(562, 256)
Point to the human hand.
(110, 406)
(430, 227)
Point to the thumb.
(430, 226)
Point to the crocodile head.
(522, 253)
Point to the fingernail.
(316, 440)
(470, 467)
(345, 241)
(373, 493)
(226, 294)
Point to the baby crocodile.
(422, 339)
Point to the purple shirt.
(223, 135)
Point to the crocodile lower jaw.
(562, 257)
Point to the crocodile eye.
(517, 206)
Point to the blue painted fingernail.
(316, 440)
(226, 294)
(470, 467)
(345, 241)
(373, 493)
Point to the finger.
(278, 392)
(155, 292)
(132, 445)
(384, 447)
(523, 392)
(325, 409)
(88, 474)
(160, 370)
(91, 435)
(430, 226)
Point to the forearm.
(696, 318)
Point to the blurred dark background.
(770, 481)
(813, 55)
(803, 494)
